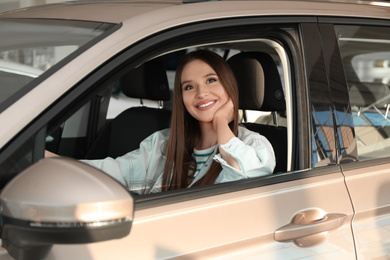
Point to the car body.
(330, 200)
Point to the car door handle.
(296, 230)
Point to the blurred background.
(6, 5)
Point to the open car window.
(96, 130)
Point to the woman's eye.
(188, 87)
(211, 80)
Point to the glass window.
(30, 47)
(365, 52)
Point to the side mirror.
(62, 201)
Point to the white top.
(141, 170)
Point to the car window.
(365, 52)
(78, 138)
(28, 48)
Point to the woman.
(204, 145)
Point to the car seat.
(125, 132)
(260, 89)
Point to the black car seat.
(125, 132)
(260, 88)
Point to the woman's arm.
(138, 170)
(252, 152)
(49, 154)
(221, 121)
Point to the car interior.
(119, 135)
(260, 89)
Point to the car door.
(262, 218)
(304, 212)
(365, 54)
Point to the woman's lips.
(205, 105)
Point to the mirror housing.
(62, 201)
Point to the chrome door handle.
(304, 226)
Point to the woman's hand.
(224, 115)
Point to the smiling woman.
(204, 125)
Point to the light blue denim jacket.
(141, 170)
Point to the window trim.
(354, 21)
(339, 94)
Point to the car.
(93, 79)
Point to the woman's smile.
(205, 105)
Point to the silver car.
(91, 80)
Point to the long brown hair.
(185, 130)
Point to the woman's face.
(203, 93)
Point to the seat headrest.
(258, 80)
(147, 81)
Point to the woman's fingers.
(226, 111)
(224, 114)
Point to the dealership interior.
(6, 5)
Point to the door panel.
(369, 187)
(235, 225)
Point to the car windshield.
(29, 47)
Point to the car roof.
(119, 11)
(109, 12)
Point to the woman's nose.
(202, 91)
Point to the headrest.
(148, 81)
(258, 81)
